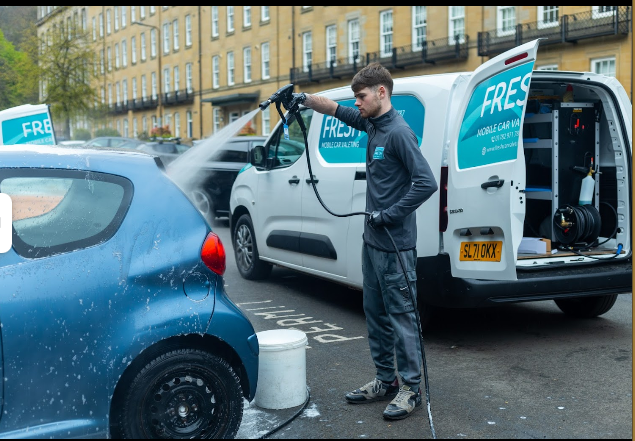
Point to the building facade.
(196, 69)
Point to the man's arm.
(321, 104)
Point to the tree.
(66, 65)
(18, 76)
(17, 23)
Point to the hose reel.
(579, 225)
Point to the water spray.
(285, 97)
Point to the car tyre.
(185, 393)
(246, 251)
(203, 203)
(587, 307)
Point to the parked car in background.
(168, 151)
(218, 174)
(106, 305)
(113, 141)
(76, 142)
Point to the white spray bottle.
(588, 185)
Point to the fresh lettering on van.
(499, 91)
(490, 129)
(32, 129)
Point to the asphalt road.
(510, 372)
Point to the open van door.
(27, 124)
(486, 168)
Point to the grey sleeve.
(423, 182)
(351, 117)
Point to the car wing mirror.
(258, 156)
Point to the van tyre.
(587, 307)
(185, 393)
(246, 251)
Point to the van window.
(342, 144)
(286, 151)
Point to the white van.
(509, 147)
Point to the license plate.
(481, 251)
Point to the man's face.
(368, 102)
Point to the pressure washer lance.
(284, 95)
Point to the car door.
(278, 212)
(486, 168)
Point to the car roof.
(73, 157)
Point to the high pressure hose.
(284, 95)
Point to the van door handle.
(294, 180)
(498, 184)
(308, 181)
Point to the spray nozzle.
(283, 95)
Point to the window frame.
(453, 20)
(595, 62)
(265, 60)
(502, 21)
(542, 24)
(247, 64)
(231, 80)
(419, 27)
(331, 44)
(386, 41)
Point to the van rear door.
(486, 168)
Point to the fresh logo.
(379, 153)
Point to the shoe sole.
(371, 400)
(401, 417)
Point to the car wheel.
(246, 251)
(185, 393)
(203, 203)
(587, 307)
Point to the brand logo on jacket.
(379, 153)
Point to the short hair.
(372, 76)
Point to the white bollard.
(281, 369)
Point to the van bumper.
(437, 287)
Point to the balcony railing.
(570, 28)
(431, 52)
(183, 96)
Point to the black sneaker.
(376, 390)
(403, 404)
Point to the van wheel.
(587, 307)
(246, 251)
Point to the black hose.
(403, 267)
(294, 416)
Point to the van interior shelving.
(566, 135)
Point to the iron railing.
(570, 28)
(183, 96)
(431, 52)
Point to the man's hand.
(375, 220)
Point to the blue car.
(114, 320)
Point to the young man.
(399, 180)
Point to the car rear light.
(213, 254)
(443, 200)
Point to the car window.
(237, 151)
(181, 148)
(56, 211)
(101, 142)
(164, 148)
(116, 142)
(286, 151)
